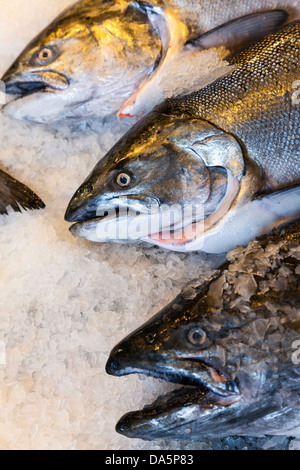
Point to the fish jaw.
(243, 223)
(34, 93)
(183, 414)
(41, 107)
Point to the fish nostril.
(88, 189)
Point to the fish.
(232, 342)
(104, 57)
(209, 170)
(16, 195)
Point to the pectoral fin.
(241, 32)
(16, 195)
(251, 220)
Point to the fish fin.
(253, 219)
(16, 195)
(284, 203)
(241, 32)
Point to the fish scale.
(245, 103)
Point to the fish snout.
(113, 366)
(118, 362)
(11, 73)
(18, 83)
(131, 356)
(80, 208)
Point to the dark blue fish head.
(234, 362)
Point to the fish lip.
(22, 84)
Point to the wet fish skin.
(176, 152)
(234, 350)
(103, 57)
(16, 195)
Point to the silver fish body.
(233, 340)
(103, 57)
(222, 164)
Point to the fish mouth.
(207, 390)
(23, 85)
(124, 220)
(173, 227)
(135, 227)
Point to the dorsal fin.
(241, 32)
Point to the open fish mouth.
(132, 227)
(207, 390)
(23, 85)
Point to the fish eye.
(45, 55)
(123, 180)
(196, 336)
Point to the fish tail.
(16, 195)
